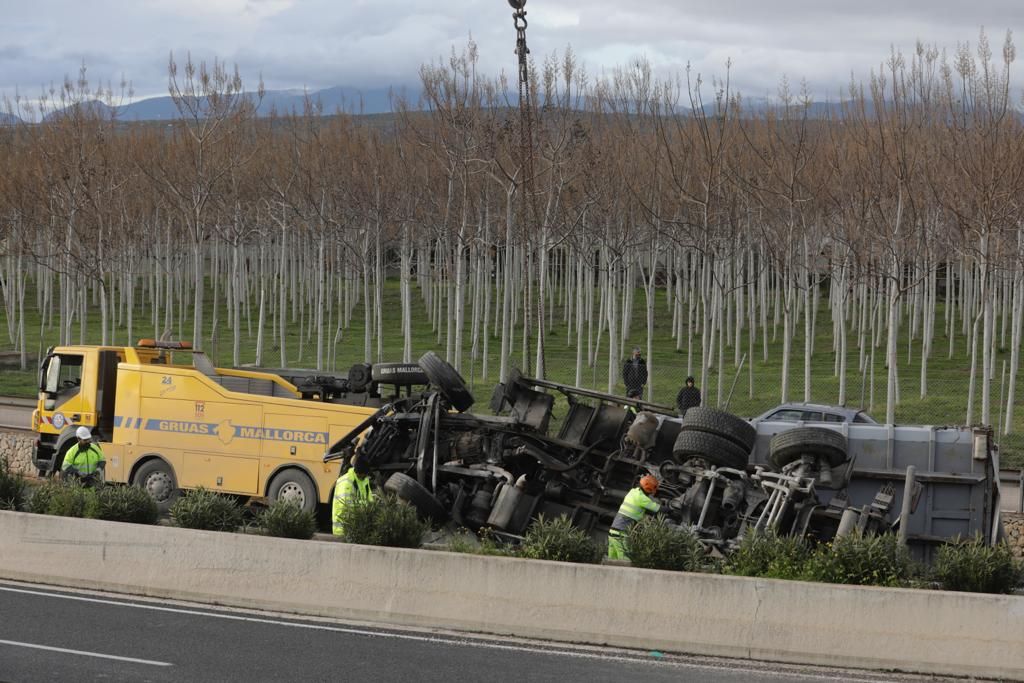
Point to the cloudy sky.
(378, 43)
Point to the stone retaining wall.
(1013, 523)
(16, 449)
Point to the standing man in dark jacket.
(688, 397)
(634, 374)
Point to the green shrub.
(652, 544)
(861, 561)
(558, 540)
(768, 555)
(202, 509)
(287, 519)
(63, 499)
(973, 566)
(39, 497)
(123, 504)
(385, 520)
(12, 487)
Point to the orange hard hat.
(649, 484)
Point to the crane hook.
(517, 4)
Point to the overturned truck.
(720, 476)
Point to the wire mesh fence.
(748, 381)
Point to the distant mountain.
(331, 100)
(374, 101)
(378, 101)
(815, 110)
(8, 119)
(93, 106)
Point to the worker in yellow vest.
(84, 460)
(351, 487)
(637, 503)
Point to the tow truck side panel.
(222, 440)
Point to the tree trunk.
(321, 267)
(282, 296)
(506, 290)
(262, 315)
(198, 294)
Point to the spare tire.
(717, 450)
(820, 442)
(359, 376)
(447, 380)
(720, 423)
(398, 373)
(410, 490)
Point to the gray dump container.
(957, 467)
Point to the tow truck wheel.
(156, 477)
(294, 486)
(62, 450)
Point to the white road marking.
(471, 641)
(83, 653)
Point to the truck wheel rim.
(158, 485)
(292, 492)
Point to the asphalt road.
(16, 413)
(56, 635)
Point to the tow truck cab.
(77, 387)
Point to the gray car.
(814, 412)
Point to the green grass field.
(947, 378)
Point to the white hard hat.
(83, 433)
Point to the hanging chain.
(525, 103)
(527, 205)
(519, 19)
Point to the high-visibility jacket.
(347, 489)
(634, 506)
(85, 460)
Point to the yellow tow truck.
(166, 426)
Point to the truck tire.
(157, 479)
(720, 423)
(410, 490)
(293, 485)
(717, 450)
(402, 374)
(786, 447)
(447, 380)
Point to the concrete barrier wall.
(908, 630)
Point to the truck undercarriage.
(500, 472)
